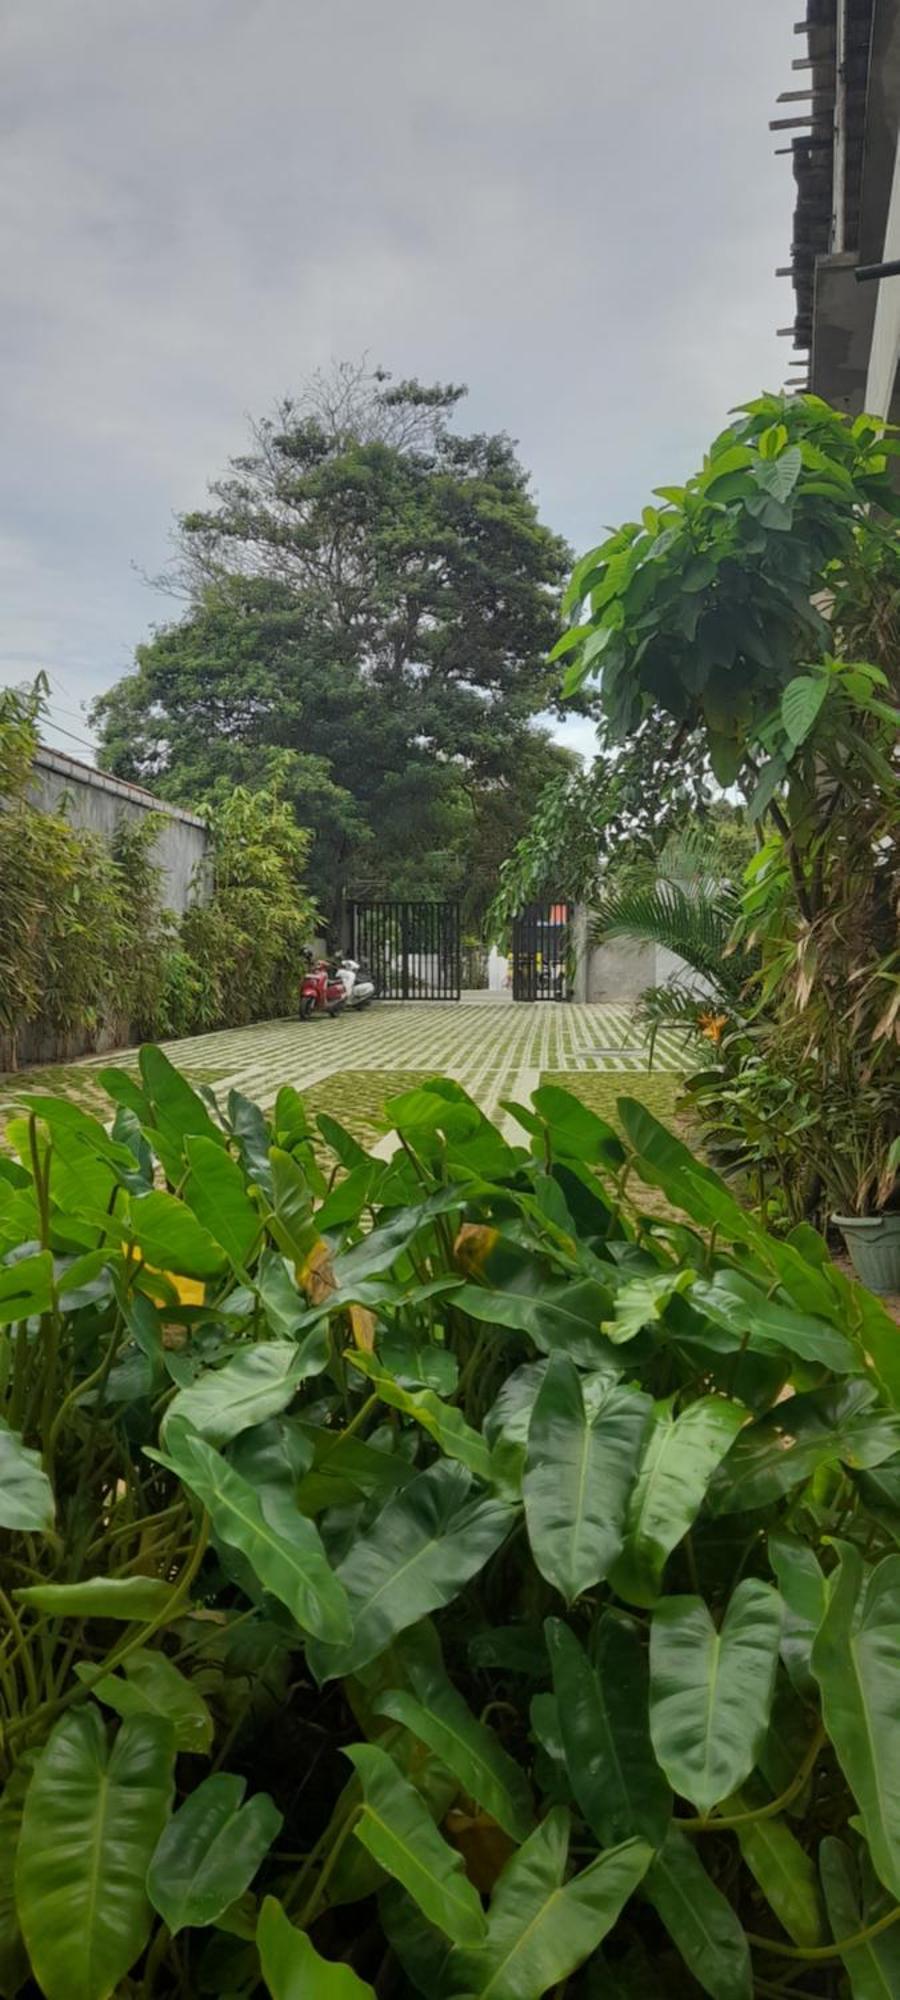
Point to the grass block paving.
(496, 1048)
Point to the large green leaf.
(423, 1548)
(856, 1661)
(772, 1325)
(293, 1969)
(541, 1927)
(800, 703)
(783, 1449)
(711, 1691)
(345, 1469)
(804, 1591)
(872, 1968)
(785, 1872)
(26, 1495)
(642, 1299)
(701, 1923)
(446, 1425)
(604, 1720)
(26, 1287)
(666, 1162)
(680, 1456)
(13, 1959)
(560, 1317)
(579, 1469)
(396, 1828)
(437, 1714)
(127, 1597)
(287, 1558)
(576, 1133)
(215, 1190)
(177, 1110)
(169, 1236)
(258, 1382)
(210, 1851)
(152, 1685)
(93, 1815)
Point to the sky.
(573, 206)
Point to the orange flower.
(712, 1026)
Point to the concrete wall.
(95, 801)
(623, 969)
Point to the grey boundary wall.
(93, 800)
(623, 969)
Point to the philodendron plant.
(468, 1574)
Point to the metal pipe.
(863, 272)
(839, 169)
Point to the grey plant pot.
(873, 1244)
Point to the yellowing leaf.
(315, 1275)
(362, 1326)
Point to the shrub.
(85, 945)
(446, 1579)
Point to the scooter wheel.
(334, 1013)
(306, 1007)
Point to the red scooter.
(321, 992)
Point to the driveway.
(495, 1047)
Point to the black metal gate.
(540, 952)
(411, 949)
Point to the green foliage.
(375, 595)
(229, 1559)
(704, 608)
(712, 612)
(248, 940)
(85, 946)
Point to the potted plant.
(871, 1225)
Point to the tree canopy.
(376, 595)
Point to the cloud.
(571, 205)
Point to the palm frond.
(696, 926)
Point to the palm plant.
(689, 909)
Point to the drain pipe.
(839, 167)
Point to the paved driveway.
(495, 1047)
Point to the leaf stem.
(703, 1824)
(818, 1954)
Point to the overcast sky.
(571, 205)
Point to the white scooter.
(358, 989)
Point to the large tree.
(377, 595)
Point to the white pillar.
(884, 355)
